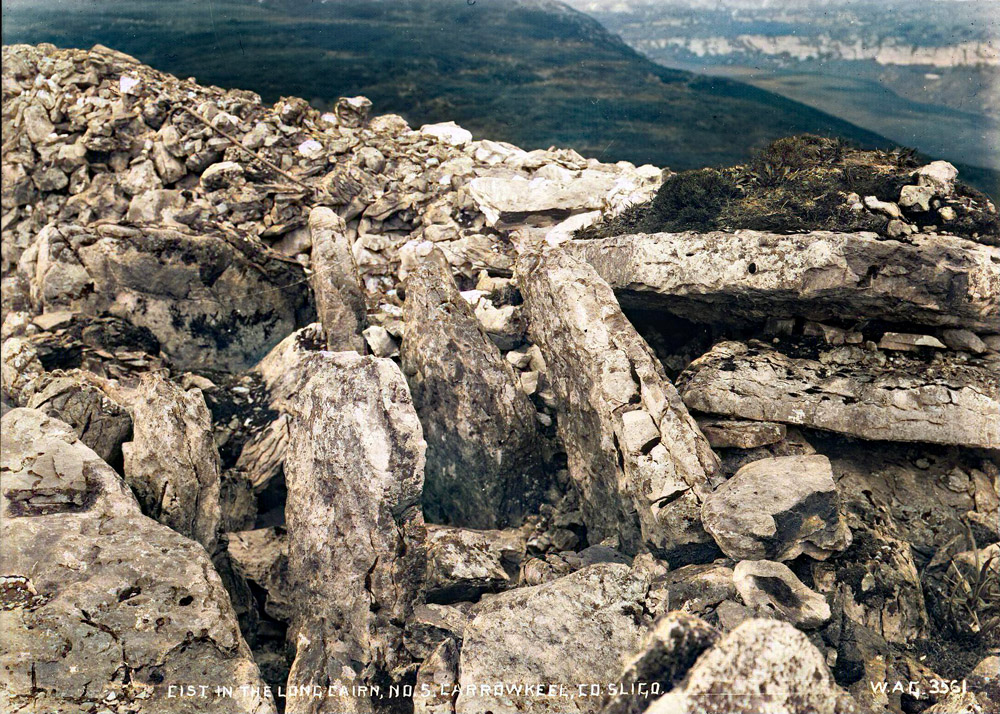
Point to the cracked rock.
(771, 588)
(600, 369)
(354, 470)
(115, 606)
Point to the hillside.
(325, 402)
(534, 73)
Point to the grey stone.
(483, 451)
(964, 340)
(908, 342)
(734, 433)
(600, 369)
(340, 299)
(771, 589)
(668, 650)
(354, 472)
(93, 588)
(762, 665)
(910, 398)
(172, 463)
(929, 280)
(778, 509)
(579, 628)
(462, 564)
(437, 678)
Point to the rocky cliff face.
(331, 404)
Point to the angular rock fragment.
(771, 588)
(93, 589)
(463, 564)
(698, 589)
(340, 299)
(777, 509)
(734, 433)
(667, 652)
(600, 370)
(208, 299)
(762, 665)
(907, 399)
(437, 678)
(172, 463)
(484, 466)
(511, 199)
(928, 280)
(354, 472)
(579, 628)
(82, 400)
(261, 556)
(432, 624)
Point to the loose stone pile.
(326, 403)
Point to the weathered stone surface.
(698, 589)
(512, 198)
(82, 400)
(733, 433)
(340, 300)
(929, 280)
(667, 652)
(437, 678)
(431, 624)
(483, 458)
(762, 665)
(600, 368)
(778, 509)
(354, 472)
(463, 564)
(103, 607)
(909, 399)
(770, 588)
(576, 629)
(261, 556)
(172, 463)
(208, 299)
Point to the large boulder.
(637, 457)
(778, 509)
(849, 391)
(484, 465)
(762, 665)
(578, 629)
(172, 463)
(208, 299)
(354, 471)
(105, 608)
(930, 279)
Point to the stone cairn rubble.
(323, 402)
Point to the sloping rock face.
(205, 297)
(484, 463)
(850, 392)
(577, 629)
(928, 280)
(354, 470)
(631, 444)
(172, 464)
(103, 607)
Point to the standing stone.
(484, 467)
(636, 455)
(104, 608)
(340, 299)
(172, 463)
(574, 630)
(354, 470)
(778, 509)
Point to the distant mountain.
(533, 72)
(925, 73)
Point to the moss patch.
(799, 184)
